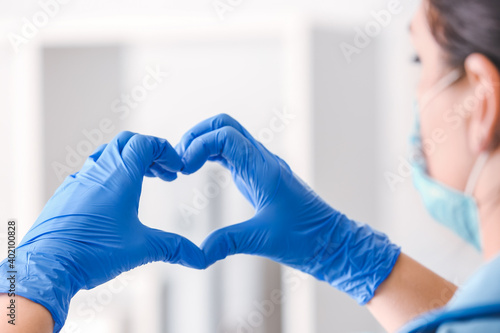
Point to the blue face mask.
(454, 209)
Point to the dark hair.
(463, 27)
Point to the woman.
(89, 232)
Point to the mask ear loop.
(441, 85)
(473, 179)
(476, 172)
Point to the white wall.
(346, 10)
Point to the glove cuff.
(355, 258)
(43, 279)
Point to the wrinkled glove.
(292, 224)
(89, 232)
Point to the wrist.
(33, 317)
(42, 278)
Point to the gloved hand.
(292, 225)
(89, 232)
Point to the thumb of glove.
(173, 248)
(249, 237)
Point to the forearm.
(410, 289)
(29, 316)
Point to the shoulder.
(482, 288)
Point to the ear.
(484, 79)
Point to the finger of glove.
(239, 184)
(164, 175)
(246, 237)
(89, 163)
(109, 160)
(147, 154)
(227, 143)
(175, 249)
(116, 145)
(157, 170)
(209, 125)
(93, 158)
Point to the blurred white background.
(72, 76)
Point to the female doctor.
(89, 232)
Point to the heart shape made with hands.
(89, 231)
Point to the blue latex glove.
(89, 232)
(292, 225)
